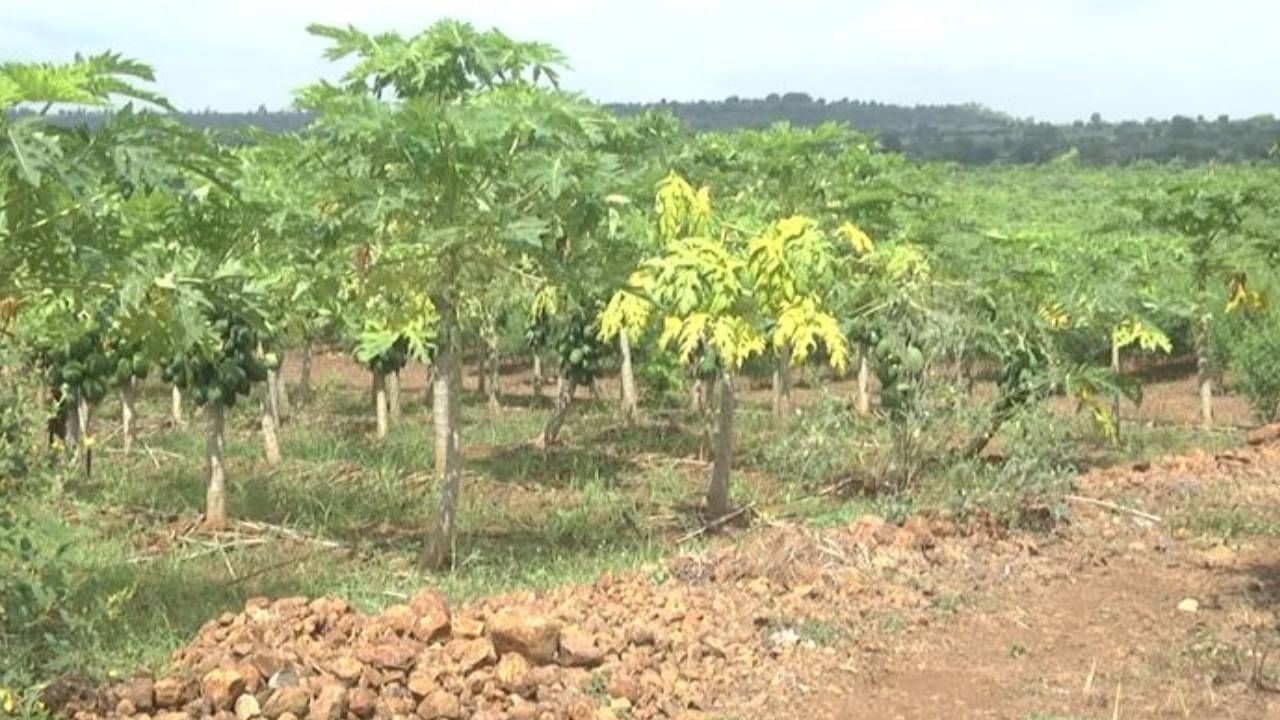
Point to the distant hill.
(969, 134)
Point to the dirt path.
(1090, 625)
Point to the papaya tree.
(703, 286)
(447, 142)
(1209, 215)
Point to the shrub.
(826, 444)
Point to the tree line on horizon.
(969, 134)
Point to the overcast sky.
(1052, 59)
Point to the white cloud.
(1060, 59)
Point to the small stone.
(141, 692)
(464, 627)
(513, 673)
(362, 702)
(221, 687)
(472, 654)
(388, 655)
(578, 649)
(621, 685)
(432, 619)
(641, 635)
(126, 708)
(1189, 605)
(170, 692)
(346, 669)
(247, 707)
(533, 635)
(440, 705)
(292, 700)
(329, 704)
(422, 683)
(399, 618)
(581, 709)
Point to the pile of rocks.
(665, 644)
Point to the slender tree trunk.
(215, 496)
(1204, 374)
(698, 395)
(128, 412)
(482, 374)
(175, 408)
(448, 441)
(594, 389)
(394, 407)
(273, 391)
(283, 406)
(1115, 401)
(270, 438)
(380, 403)
(537, 375)
(864, 382)
(428, 391)
(782, 383)
(564, 400)
(72, 437)
(304, 372)
(494, 367)
(84, 418)
(630, 402)
(718, 493)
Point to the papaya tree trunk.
(1115, 401)
(283, 406)
(215, 495)
(630, 402)
(84, 418)
(493, 365)
(394, 408)
(128, 412)
(1204, 374)
(537, 380)
(782, 383)
(429, 386)
(718, 493)
(59, 418)
(270, 438)
(273, 388)
(72, 437)
(273, 393)
(864, 382)
(380, 403)
(175, 408)
(304, 371)
(564, 400)
(448, 440)
(698, 395)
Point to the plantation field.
(473, 400)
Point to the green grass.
(1227, 521)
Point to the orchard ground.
(1074, 618)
